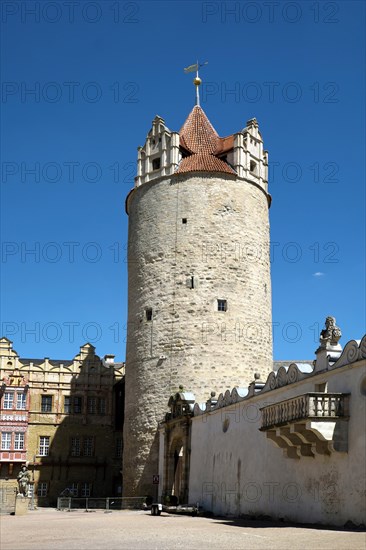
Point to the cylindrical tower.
(199, 290)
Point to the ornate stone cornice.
(354, 351)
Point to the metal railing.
(95, 503)
(309, 405)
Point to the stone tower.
(199, 290)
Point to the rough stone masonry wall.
(224, 246)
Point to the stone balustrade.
(308, 405)
(309, 424)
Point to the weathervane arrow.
(197, 81)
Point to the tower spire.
(196, 81)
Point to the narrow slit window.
(221, 305)
(192, 282)
(149, 313)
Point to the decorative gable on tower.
(198, 148)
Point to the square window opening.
(156, 164)
(221, 305)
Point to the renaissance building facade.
(64, 420)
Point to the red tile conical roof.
(199, 138)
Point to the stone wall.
(209, 232)
(235, 469)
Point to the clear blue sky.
(100, 72)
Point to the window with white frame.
(88, 449)
(74, 489)
(75, 446)
(46, 403)
(86, 489)
(102, 405)
(42, 489)
(67, 404)
(92, 405)
(44, 445)
(8, 400)
(19, 441)
(5, 441)
(21, 401)
(78, 404)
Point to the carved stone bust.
(330, 336)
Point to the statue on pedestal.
(23, 481)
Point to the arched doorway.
(177, 473)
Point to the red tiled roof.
(226, 144)
(200, 138)
(203, 162)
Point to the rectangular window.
(119, 447)
(149, 314)
(88, 449)
(21, 400)
(46, 403)
(67, 404)
(78, 404)
(74, 489)
(102, 405)
(75, 446)
(42, 489)
(44, 445)
(86, 489)
(221, 305)
(19, 441)
(5, 441)
(92, 405)
(8, 400)
(156, 164)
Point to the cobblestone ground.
(48, 529)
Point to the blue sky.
(100, 72)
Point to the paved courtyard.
(47, 529)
